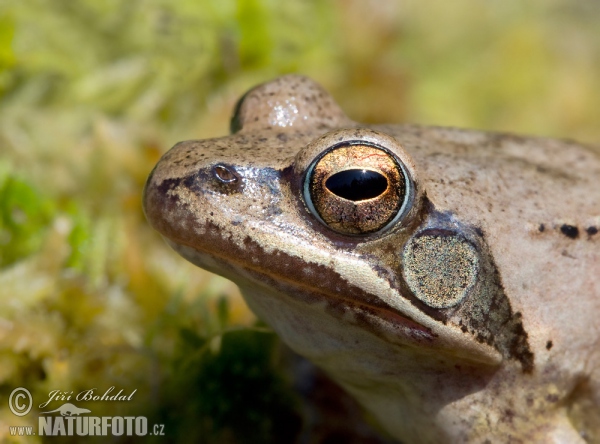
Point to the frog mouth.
(374, 316)
(280, 272)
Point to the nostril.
(225, 174)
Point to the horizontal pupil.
(357, 184)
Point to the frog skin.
(453, 288)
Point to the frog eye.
(357, 188)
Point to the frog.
(448, 279)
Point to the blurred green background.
(93, 92)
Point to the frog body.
(448, 279)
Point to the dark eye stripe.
(357, 184)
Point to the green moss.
(7, 32)
(255, 40)
(24, 218)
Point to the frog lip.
(371, 314)
(374, 316)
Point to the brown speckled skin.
(517, 361)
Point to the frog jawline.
(383, 321)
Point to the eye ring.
(372, 193)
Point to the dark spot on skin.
(479, 231)
(552, 398)
(163, 190)
(519, 347)
(529, 401)
(548, 345)
(282, 137)
(190, 182)
(592, 230)
(566, 254)
(555, 173)
(508, 415)
(570, 231)
(541, 228)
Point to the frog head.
(408, 262)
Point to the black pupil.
(357, 184)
